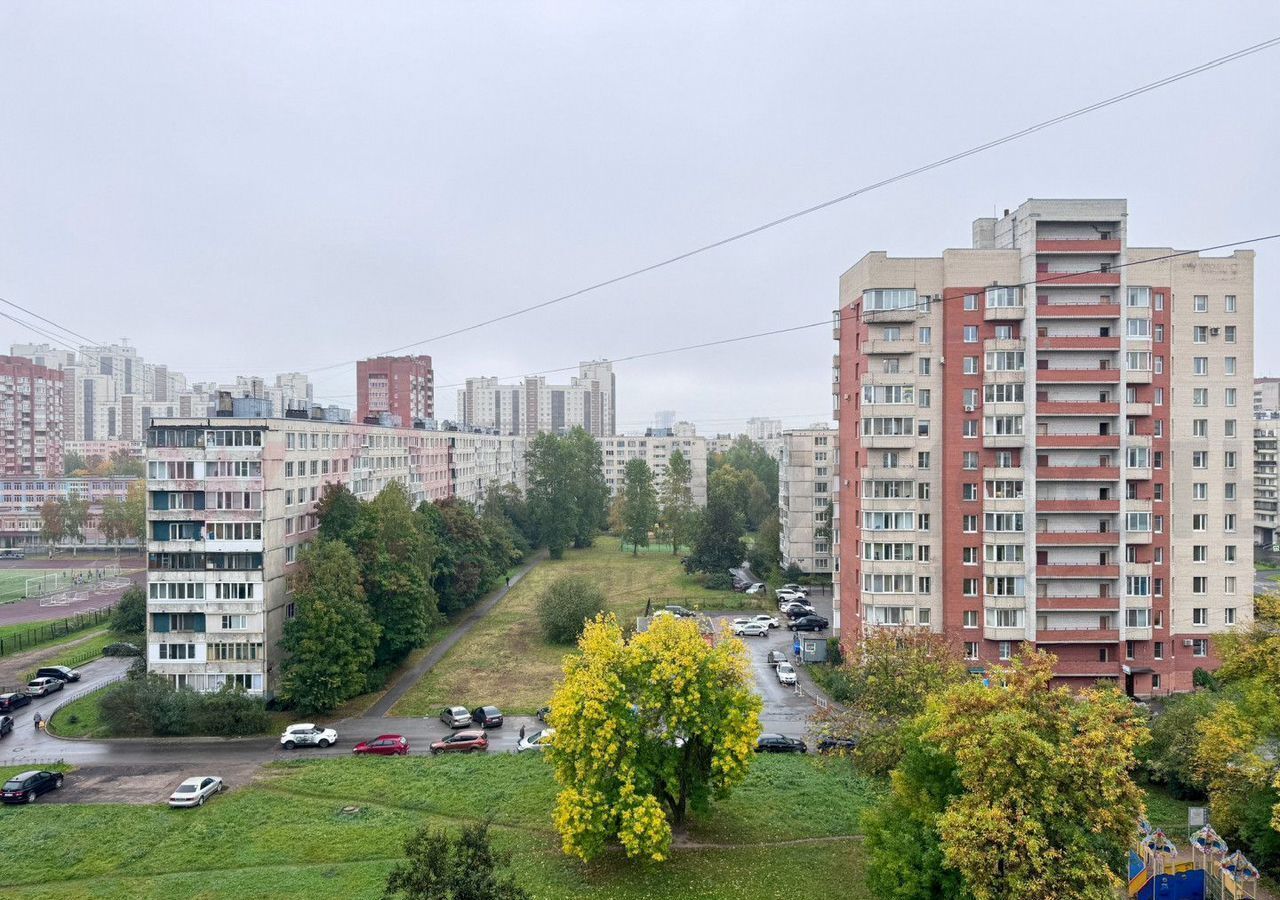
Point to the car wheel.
(323, 743)
(289, 745)
(435, 752)
(220, 787)
(200, 800)
(57, 782)
(31, 796)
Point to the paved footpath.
(406, 681)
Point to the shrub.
(718, 581)
(150, 706)
(1169, 756)
(130, 613)
(566, 605)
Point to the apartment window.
(1229, 523)
(1229, 553)
(1229, 334)
(922, 552)
(970, 301)
(1229, 614)
(922, 459)
(1159, 365)
(1200, 334)
(235, 623)
(1159, 396)
(1201, 303)
(924, 334)
(923, 615)
(1200, 647)
(1104, 654)
(1229, 365)
(1229, 397)
(970, 396)
(1229, 427)
(924, 584)
(1199, 459)
(290, 554)
(1200, 615)
(1006, 647)
(1158, 430)
(1200, 365)
(1159, 334)
(1200, 584)
(1229, 584)
(1138, 296)
(922, 427)
(971, 334)
(971, 428)
(970, 649)
(1200, 522)
(178, 651)
(1157, 493)
(970, 459)
(971, 365)
(1159, 301)
(970, 618)
(1129, 647)
(925, 397)
(925, 365)
(1199, 553)
(969, 492)
(970, 524)
(288, 470)
(1199, 428)
(1157, 650)
(1006, 361)
(1199, 396)
(1200, 490)
(970, 556)
(1229, 459)
(1139, 328)
(1230, 302)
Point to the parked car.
(757, 588)
(25, 788)
(788, 594)
(10, 702)
(455, 716)
(794, 604)
(62, 673)
(12, 554)
(461, 742)
(41, 687)
(194, 791)
(747, 628)
(836, 745)
(765, 619)
(796, 610)
(383, 745)
(680, 612)
(536, 741)
(809, 623)
(487, 716)
(543, 713)
(780, 743)
(775, 656)
(122, 648)
(307, 734)
(6, 725)
(792, 586)
(786, 673)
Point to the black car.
(809, 623)
(6, 725)
(62, 673)
(836, 745)
(798, 612)
(12, 554)
(25, 788)
(10, 702)
(775, 657)
(680, 612)
(487, 716)
(780, 743)
(543, 713)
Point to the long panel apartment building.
(231, 504)
(1045, 439)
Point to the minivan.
(62, 673)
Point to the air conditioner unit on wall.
(1187, 642)
(969, 408)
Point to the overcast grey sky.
(263, 187)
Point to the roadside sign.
(1196, 817)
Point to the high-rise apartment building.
(807, 474)
(1266, 496)
(655, 448)
(231, 503)
(1043, 440)
(533, 406)
(30, 418)
(402, 387)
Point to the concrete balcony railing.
(1004, 313)
(1138, 537)
(1087, 603)
(1082, 245)
(1004, 440)
(1092, 538)
(1078, 376)
(1065, 635)
(1143, 633)
(998, 633)
(1077, 342)
(888, 441)
(1083, 505)
(879, 347)
(1076, 408)
(1137, 376)
(1077, 279)
(1077, 570)
(1069, 441)
(1000, 473)
(1078, 310)
(1078, 473)
(1137, 409)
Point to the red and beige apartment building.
(30, 418)
(1046, 440)
(401, 389)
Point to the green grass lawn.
(504, 661)
(286, 835)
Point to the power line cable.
(817, 207)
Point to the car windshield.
(188, 786)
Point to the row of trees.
(568, 499)
(65, 518)
(641, 508)
(1000, 789)
(379, 578)
(119, 463)
(1219, 743)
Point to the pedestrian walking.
(508, 581)
(521, 731)
(38, 721)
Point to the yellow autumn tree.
(647, 730)
(1047, 805)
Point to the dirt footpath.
(139, 784)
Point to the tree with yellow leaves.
(647, 730)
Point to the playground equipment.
(1212, 873)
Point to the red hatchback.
(462, 741)
(384, 745)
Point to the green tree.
(339, 512)
(53, 524)
(765, 555)
(74, 462)
(748, 456)
(639, 504)
(135, 511)
(124, 465)
(552, 504)
(646, 730)
(504, 502)
(1047, 804)
(113, 521)
(130, 613)
(464, 568)
(75, 515)
(331, 642)
(718, 545)
(566, 605)
(590, 492)
(678, 514)
(438, 867)
(1169, 757)
(397, 556)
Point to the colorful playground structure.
(1212, 873)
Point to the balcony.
(996, 473)
(888, 441)
(1137, 409)
(996, 633)
(1078, 376)
(1083, 505)
(1077, 570)
(1082, 538)
(1077, 279)
(1143, 633)
(1004, 440)
(881, 347)
(1076, 408)
(1069, 441)
(903, 314)
(1077, 310)
(1077, 635)
(835, 325)
(1137, 537)
(1069, 245)
(1004, 313)
(1088, 603)
(1137, 376)
(1078, 473)
(1077, 342)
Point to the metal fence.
(44, 632)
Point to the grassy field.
(287, 835)
(504, 661)
(13, 582)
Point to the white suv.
(307, 735)
(786, 674)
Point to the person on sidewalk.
(508, 581)
(521, 731)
